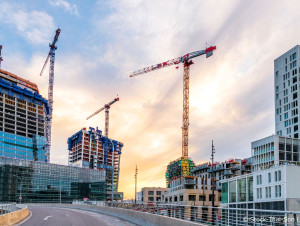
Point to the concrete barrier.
(136, 217)
(14, 217)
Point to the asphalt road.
(69, 217)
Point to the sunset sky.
(101, 42)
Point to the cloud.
(231, 93)
(71, 8)
(35, 26)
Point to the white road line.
(46, 218)
(22, 222)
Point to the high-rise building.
(23, 114)
(286, 88)
(89, 149)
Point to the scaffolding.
(90, 149)
(174, 170)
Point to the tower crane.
(106, 107)
(51, 55)
(1, 59)
(187, 62)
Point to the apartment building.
(151, 195)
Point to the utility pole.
(135, 176)
(212, 173)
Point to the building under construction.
(174, 170)
(23, 114)
(90, 149)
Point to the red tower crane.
(187, 62)
(106, 107)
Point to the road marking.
(46, 218)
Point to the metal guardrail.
(7, 208)
(208, 215)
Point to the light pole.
(135, 176)
(20, 182)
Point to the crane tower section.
(187, 61)
(51, 55)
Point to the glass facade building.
(36, 182)
(15, 146)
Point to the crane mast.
(106, 107)
(1, 59)
(51, 55)
(187, 62)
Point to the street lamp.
(20, 180)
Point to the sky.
(102, 42)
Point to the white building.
(287, 98)
(276, 188)
(274, 150)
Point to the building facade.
(149, 195)
(36, 182)
(90, 149)
(286, 90)
(23, 114)
(274, 150)
(192, 191)
(275, 188)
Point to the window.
(257, 192)
(269, 177)
(279, 190)
(242, 190)
(267, 192)
(279, 175)
(224, 193)
(181, 198)
(203, 198)
(151, 199)
(275, 176)
(276, 191)
(150, 192)
(192, 197)
(211, 197)
(158, 192)
(232, 191)
(270, 193)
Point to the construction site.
(90, 149)
(25, 132)
(180, 168)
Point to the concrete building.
(23, 114)
(151, 195)
(275, 188)
(191, 191)
(286, 90)
(226, 169)
(90, 149)
(274, 150)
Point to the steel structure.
(187, 62)
(106, 107)
(1, 59)
(51, 55)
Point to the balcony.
(228, 172)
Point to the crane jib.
(208, 51)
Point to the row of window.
(268, 192)
(277, 177)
